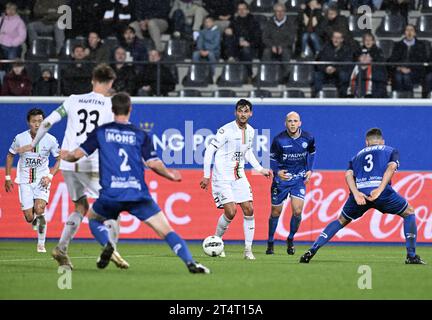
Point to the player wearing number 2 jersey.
(368, 177)
(84, 112)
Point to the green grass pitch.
(156, 273)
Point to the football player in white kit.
(33, 174)
(232, 145)
(84, 113)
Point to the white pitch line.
(49, 258)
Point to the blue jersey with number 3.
(370, 164)
(122, 149)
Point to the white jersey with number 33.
(84, 113)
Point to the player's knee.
(82, 206)
(39, 208)
(230, 213)
(297, 211)
(248, 211)
(276, 211)
(408, 211)
(28, 216)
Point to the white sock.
(113, 227)
(249, 231)
(42, 236)
(70, 229)
(222, 225)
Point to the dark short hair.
(103, 73)
(244, 3)
(35, 112)
(130, 29)
(411, 25)
(78, 46)
(374, 133)
(243, 103)
(368, 34)
(121, 103)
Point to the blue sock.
(179, 246)
(294, 225)
(272, 223)
(410, 231)
(99, 231)
(325, 236)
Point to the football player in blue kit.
(369, 180)
(122, 150)
(292, 156)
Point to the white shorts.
(82, 184)
(237, 191)
(29, 192)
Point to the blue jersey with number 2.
(122, 149)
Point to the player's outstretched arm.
(8, 169)
(388, 174)
(159, 167)
(72, 156)
(250, 157)
(359, 197)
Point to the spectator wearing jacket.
(187, 18)
(96, 51)
(135, 48)
(46, 85)
(208, 44)
(13, 33)
(126, 76)
(336, 51)
(152, 19)
(16, 82)
(309, 20)
(76, 76)
(222, 11)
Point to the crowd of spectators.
(217, 30)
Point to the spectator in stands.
(87, 17)
(399, 7)
(335, 51)
(367, 80)
(149, 77)
(409, 49)
(96, 51)
(369, 42)
(239, 42)
(126, 76)
(187, 18)
(45, 21)
(13, 33)
(117, 16)
(46, 85)
(16, 82)
(309, 20)
(23, 7)
(136, 50)
(152, 19)
(76, 77)
(332, 21)
(278, 37)
(222, 12)
(208, 44)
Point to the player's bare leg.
(248, 228)
(410, 232)
(296, 208)
(272, 225)
(39, 210)
(161, 226)
(224, 221)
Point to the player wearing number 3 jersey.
(84, 113)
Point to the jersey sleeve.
(350, 165)
(147, 149)
(311, 145)
(63, 110)
(55, 148)
(14, 146)
(394, 157)
(275, 155)
(91, 144)
(220, 139)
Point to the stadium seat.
(294, 94)
(391, 26)
(353, 26)
(402, 94)
(269, 75)
(199, 75)
(53, 67)
(190, 93)
(386, 46)
(178, 50)
(265, 6)
(70, 44)
(260, 94)
(424, 26)
(426, 6)
(328, 93)
(111, 42)
(224, 93)
(233, 75)
(301, 75)
(294, 5)
(42, 47)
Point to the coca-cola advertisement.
(192, 212)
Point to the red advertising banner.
(193, 215)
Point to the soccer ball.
(213, 246)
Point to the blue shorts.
(281, 190)
(143, 210)
(388, 202)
